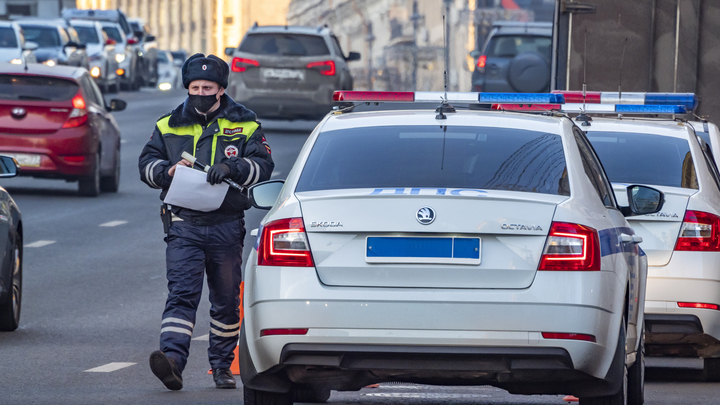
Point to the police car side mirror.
(229, 51)
(353, 56)
(263, 195)
(643, 200)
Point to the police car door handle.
(637, 239)
(254, 232)
(625, 238)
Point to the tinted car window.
(645, 159)
(45, 37)
(511, 45)
(36, 88)
(7, 38)
(114, 34)
(436, 157)
(87, 35)
(284, 45)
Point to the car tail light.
(132, 41)
(482, 60)
(326, 67)
(571, 247)
(110, 42)
(275, 332)
(241, 64)
(284, 243)
(78, 116)
(569, 336)
(700, 232)
(697, 305)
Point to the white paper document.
(190, 189)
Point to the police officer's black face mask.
(202, 103)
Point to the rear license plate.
(25, 159)
(283, 74)
(428, 250)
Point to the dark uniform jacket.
(232, 136)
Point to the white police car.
(452, 248)
(681, 241)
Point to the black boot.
(223, 378)
(166, 370)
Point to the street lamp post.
(415, 18)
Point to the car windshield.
(162, 57)
(634, 158)
(7, 38)
(87, 35)
(45, 37)
(437, 157)
(114, 34)
(135, 26)
(509, 46)
(284, 45)
(40, 88)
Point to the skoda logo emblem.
(425, 215)
(18, 112)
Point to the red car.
(55, 123)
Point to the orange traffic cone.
(235, 366)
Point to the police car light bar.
(438, 97)
(638, 109)
(688, 100)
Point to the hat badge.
(204, 67)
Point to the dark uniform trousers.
(192, 250)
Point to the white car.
(682, 241)
(101, 54)
(484, 247)
(13, 47)
(169, 75)
(127, 64)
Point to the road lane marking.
(203, 337)
(110, 367)
(40, 243)
(113, 223)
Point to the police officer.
(222, 133)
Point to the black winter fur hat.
(212, 68)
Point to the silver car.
(13, 47)
(101, 54)
(288, 72)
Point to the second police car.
(682, 241)
(452, 247)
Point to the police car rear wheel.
(621, 397)
(257, 397)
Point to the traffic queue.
(540, 243)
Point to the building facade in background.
(206, 26)
(401, 41)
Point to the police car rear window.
(436, 157)
(284, 45)
(645, 159)
(36, 88)
(87, 35)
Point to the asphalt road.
(94, 290)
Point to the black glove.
(217, 173)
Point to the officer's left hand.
(217, 173)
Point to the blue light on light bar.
(688, 100)
(521, 98)
(650, 109)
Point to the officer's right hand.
(183, 162)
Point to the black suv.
(515, 59)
